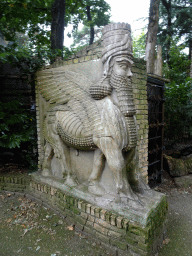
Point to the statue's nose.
(129, 73)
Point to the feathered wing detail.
(59, 87)
(71, 106)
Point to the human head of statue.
(117, 59)
(117, 51)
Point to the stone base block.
(132, 229)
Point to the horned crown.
(116, 40)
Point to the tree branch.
(165, 4)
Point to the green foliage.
(22, 23)
(178, 96)
(183, 10)
(82, 37)
(98, 17)
(24, 16)
(175, 18)
(100, 13)
(15, 125)
(178, 110)
(18, 131)
(179, 63)
(139, 45)
(27, 58)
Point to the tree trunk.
(190, 74)
(57, 27)
(169, 26)
(190, 57)
(158, 67)
(92, 32)
(152, 35)
(169, 31)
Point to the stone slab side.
(139, 80)
(114, 231)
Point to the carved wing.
(59, 87)
(65, 92)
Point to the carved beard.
(123, 87)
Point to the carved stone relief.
(90, 121)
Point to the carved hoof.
(144, 189)
(96, 189)
(46, 172)
(126, 191)
(130, 196)
(131, 199)
(70, 181)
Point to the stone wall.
(114, 231)
(92, 53)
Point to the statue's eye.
(123, 66)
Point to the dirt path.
(28, 228)
(179, 224)
(179, 227)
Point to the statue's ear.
(101, 89)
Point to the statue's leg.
(46, 166)
(117, 165)
(134, 176)
(62, 152)
(94, 178)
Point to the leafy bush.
(179, 63)
(178, 96)
(14, 125)
(178, 110)
(17, 127)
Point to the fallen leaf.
(166, 241)
(70, 227)
(60, 222)
(38, 247)
(9, 220)
(25, 231)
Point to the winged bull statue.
(99, 116)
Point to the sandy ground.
(29, 228)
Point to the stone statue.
(100, 118)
